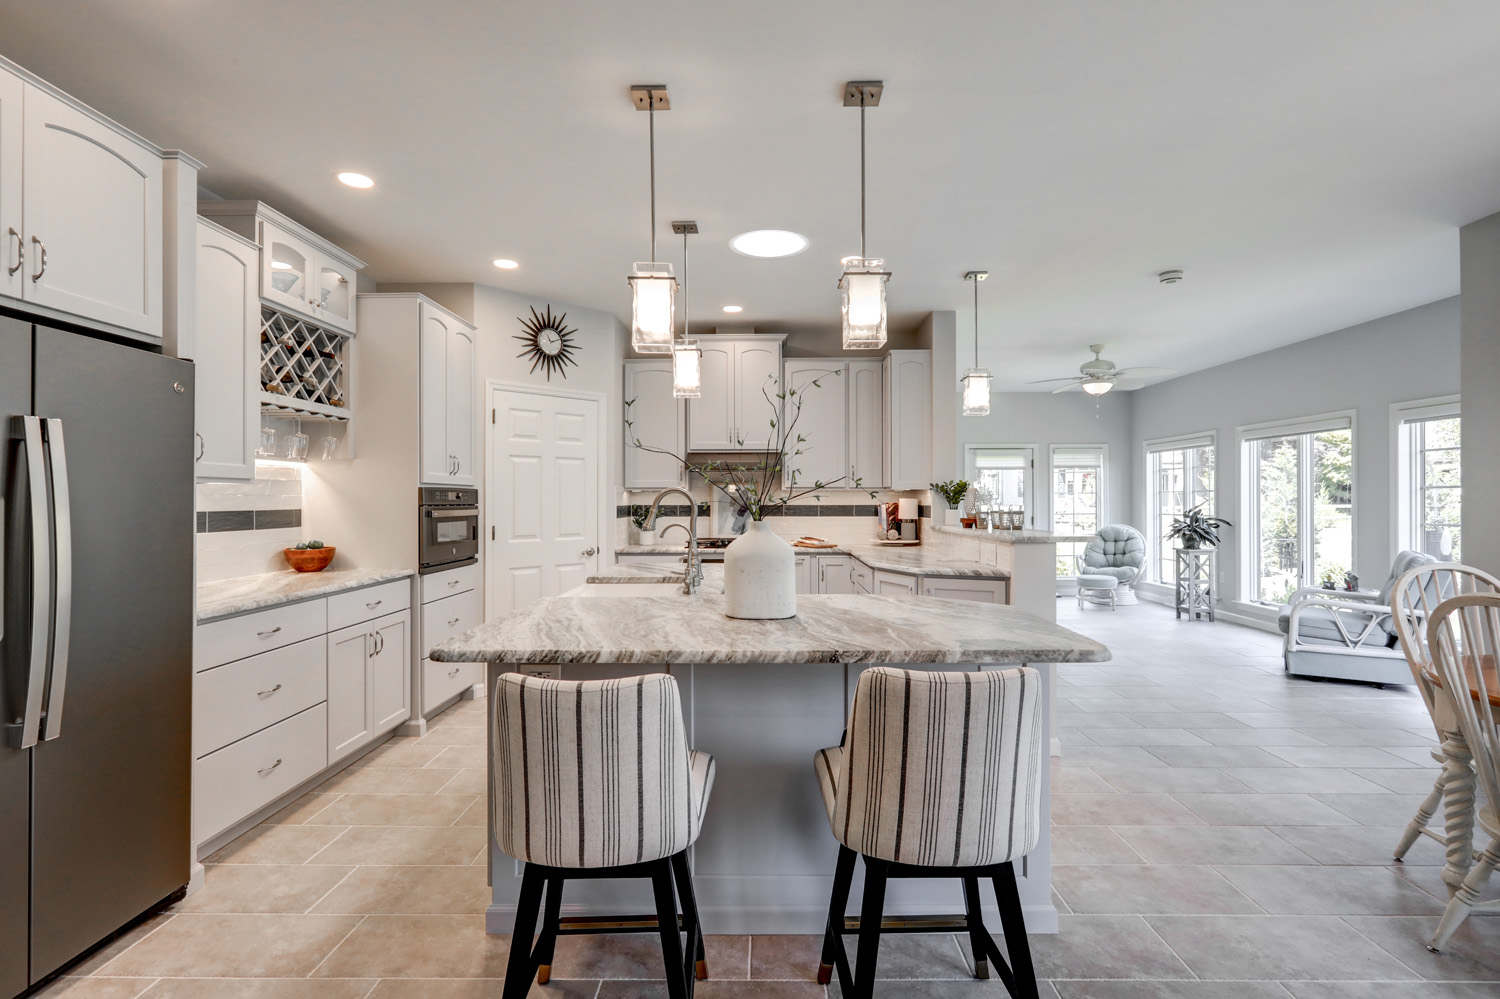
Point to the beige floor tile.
(409, 890)
(1297, 891)
(476, 814)
(224, 946)
(260, 988)
(785, 957)
(480, 988)
(94, 988)
(303, 808)
(393, 810)
(399, 754)
(454, 735)
(1092, 845)
(1263, 809)
(1148, 780)
(266, 844)
(1170, 990)
(466, 782)
(397, 845)
(262, 888)
(1149, 889)
(99, 958)
(1305, 948)
(1103, 947)
(1120, 810)
(1210, 845)
(729, 990)
(420, 947)
(390, 780)
(461, 757)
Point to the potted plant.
(953, 493)
(1197, 529)
(638, 517)
(1330, 578)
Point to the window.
(1181, 477)
(1077, 500)
(1002, 478)
(1299, 520)
(1430, 491)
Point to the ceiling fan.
(1098, 376)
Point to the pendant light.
(864, 279)
(976, 381)
(653, 288)
(687, 358)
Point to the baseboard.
(195, 879)
(1156, 593)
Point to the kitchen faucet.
(694, 561)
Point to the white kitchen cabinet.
(13, 257)
(368, 681)
(447, 379)
(894, 584)
(908, 419)
(738, 374)
(820, 388)
(835, 574)
(807, 580)
(657, 419)
(451, 605)
(861, 577)
(866, 420)
(226, 353)
(987, 591)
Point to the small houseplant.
(953, 493)
(638, 516)
(1196, 529)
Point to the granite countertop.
(225, 597)
(912, 560)
(828, 628)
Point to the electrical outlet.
(542, 672)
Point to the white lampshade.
(687, 369)
(1097, 386)
(976, 383)
(653, 308)
(864, 302)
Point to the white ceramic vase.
(760, 576)
(951, 518)
(644, 537)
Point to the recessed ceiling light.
(768, 243)
(506, 265)
(355, 180)
(734, 308)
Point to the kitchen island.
(762, 697)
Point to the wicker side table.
(1195, 582)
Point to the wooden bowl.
(308, 559)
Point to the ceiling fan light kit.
(1169, 277)
(652, 284)
(976, 381)
(864, 278)
(687, 357)
(1099, 376)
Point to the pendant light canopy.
(976, 381)
(653, 287)
(864, 279)
(687, 358)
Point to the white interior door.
(544, 497)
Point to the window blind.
(1291, 428)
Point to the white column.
(1479, 308)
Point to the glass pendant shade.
(863, 284)
(1097, 386)
(687, 370)
(653, 307)
(976, 382)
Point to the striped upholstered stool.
(940, 775)
(594, 779)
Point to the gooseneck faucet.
(694, 561)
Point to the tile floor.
(1222, 832)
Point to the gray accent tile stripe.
(217, 521)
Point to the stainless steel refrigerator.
(96, 648)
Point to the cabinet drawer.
(860, 575)
(240, 778)
(894, 583)
(437, 585)
(232, 701)
(440, 681)
(220, 642)
(345, 609)
(449, 618)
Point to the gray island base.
(762, 697)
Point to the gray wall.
(1366, 368)
(1479, 250)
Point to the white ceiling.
(1307, 164)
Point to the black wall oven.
(449, 525)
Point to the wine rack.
(303, 367)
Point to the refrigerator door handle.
(62, 604)
(28, 429)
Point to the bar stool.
(940, 775)
(594, 779)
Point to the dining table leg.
(1458, 810)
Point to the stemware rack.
(303, 368)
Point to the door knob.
(587, 552)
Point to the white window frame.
(1403, 489)
(1102, 488)
(1183, 442)
(1346, 419)
(971, 466)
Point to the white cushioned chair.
(594, 779)
(939, 776)
(1117, 550)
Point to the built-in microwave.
(449, 528)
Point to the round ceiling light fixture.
(734, 308)
(506, 264)
(769, 243)
(1169, 277)
(351, 179)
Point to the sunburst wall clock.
(549, 341)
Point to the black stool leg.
(684, 877)
(1013, 921)
(843, 876)
(977, 933)
(548, 943)
(871, 914)
(518, 968)
(666, 921)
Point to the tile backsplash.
(243, 526)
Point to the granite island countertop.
(226, 597)
(914, 560)
(828, 628)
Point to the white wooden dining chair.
(1464, 636)
(1414, 599)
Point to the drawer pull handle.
(375, 604)
(268, 634)
(452, 582)
(266, 770)
(454, 621)
(268, 693)
(454, 672)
